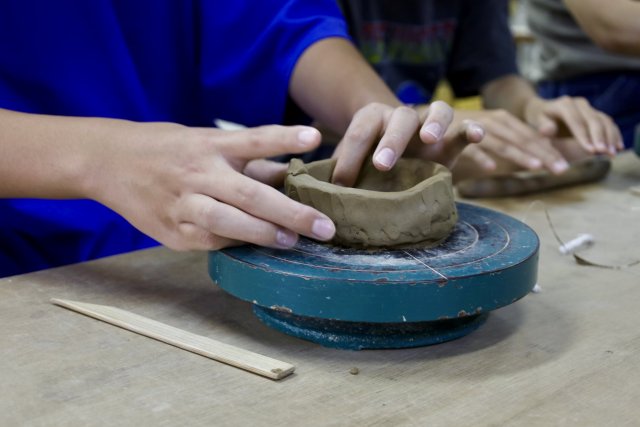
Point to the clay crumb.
(354, 371)
(281, 308)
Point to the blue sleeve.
(249, 51)
(483, 48)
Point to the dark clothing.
(566, 61)
(614, 93)
(414, 44)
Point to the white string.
(430, 268)
(579, 259)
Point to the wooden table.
(569, 355)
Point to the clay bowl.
(410, 206)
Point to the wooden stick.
(225, 353)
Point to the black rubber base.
(363, 335)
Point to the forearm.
(48, 156)
(331, 82)
(615, 28)
(511, 93)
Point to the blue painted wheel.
(490, 260)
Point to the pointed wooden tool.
(225, 353)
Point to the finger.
(269, 204)
(512, 140)
(533, 152)
(546, 126)
(519, 143)
(439, 117)
(613, 137)
(551, 158)
(402, 125)
(509, 138)
(265, 141)
(595, 123)
(480, 157)
(544, 155)
(216, 223)
(467, 132)
(564, 109)
(617, 135)
(473, 131)
(363, 132)
(266, 171)
(196, 238)
(510, 152)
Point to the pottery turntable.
(357, 299)
(351, 298)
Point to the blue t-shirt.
(414, 44)
(188, 62)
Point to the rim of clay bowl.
(303, 174)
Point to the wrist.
(98, 164)
(44, 156)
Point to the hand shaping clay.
(412, 205)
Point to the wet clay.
(410, 206)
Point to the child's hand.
(396, 129)
(196, 188)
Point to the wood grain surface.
(569, 355)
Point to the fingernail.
(601, 146)
(560, 166)
(433, 129)
(386, 157)
(489, 165)
(478, 130)
(308, 137)
(323, 229)
(534, 163)
(286, 238)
